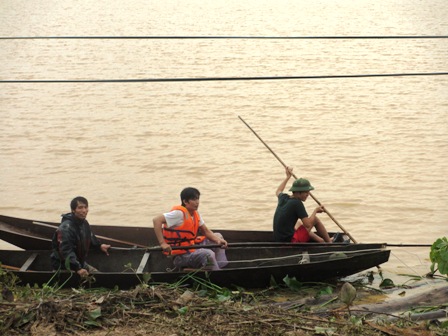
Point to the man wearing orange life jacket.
(181, 227)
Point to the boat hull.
(250, 266)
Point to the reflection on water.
(374, 148)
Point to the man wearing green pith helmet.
(290, 208)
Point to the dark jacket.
(72, 241)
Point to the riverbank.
(291, 309)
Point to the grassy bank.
(290, 308)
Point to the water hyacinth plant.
(439, 256)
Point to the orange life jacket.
(185, 234)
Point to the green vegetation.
(290, 308)
(439, 256)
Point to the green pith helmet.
(301, 184)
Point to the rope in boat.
(352, 37)
(253, 245)
(303, 254)
(215, 79)
(409, 268)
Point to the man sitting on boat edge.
(180, 227)
(290, 209)
(73, 238)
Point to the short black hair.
(189, 194)
(76, 200)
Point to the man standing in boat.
(73, 238)
(290, 209)
(181, 226)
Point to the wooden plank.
(28, 263)
(142, 265)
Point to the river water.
(375, 148)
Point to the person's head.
(80, 207)
(190, 199)
(301, 188)
(189, 194)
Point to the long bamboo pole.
(312, 196)
(113, 240)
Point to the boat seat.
(28, 262)
(143, 262)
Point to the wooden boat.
(251, 265)
(31, 234)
